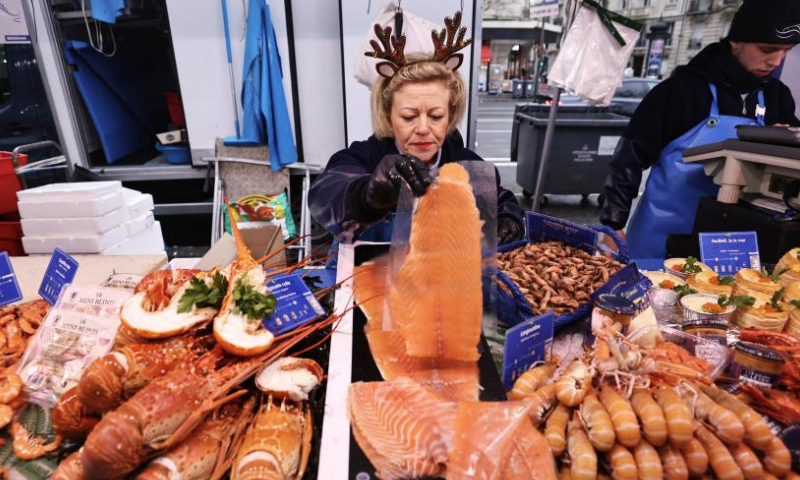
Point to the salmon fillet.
(484, 439)
(404, 429)
(369, 288)
(436, 298)
(531, 458)
(453, 379)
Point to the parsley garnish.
(776, 276)
(203, 295)
(775, 300)
(251, 303)
(738, 300)
(727, 280)
(795, 303)
(691, 266)
(684, 290)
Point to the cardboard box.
(261, 241)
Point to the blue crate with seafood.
(533, 279)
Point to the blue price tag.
(60, 271)
(729, 252)
(296, 304)
(544, 228)
(9, 288)
(629, 284)
(526, 344)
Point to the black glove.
(383, 187)
(508, 230)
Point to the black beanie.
(767, 21)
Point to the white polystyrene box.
(41, 227)
(69, 191)
(136, 203)
(140, 224)
(70, 207)
(75, 243)
(148, 242)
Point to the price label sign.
(728, 252)
(9, 288)
(526, 344)
(60, 271)
(544, 228)
(296, 305)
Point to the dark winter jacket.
(346, 216)
(677, 105)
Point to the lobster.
(165, 412)
(207, 452)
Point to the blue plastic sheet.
(107, 10)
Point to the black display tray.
(364, 369)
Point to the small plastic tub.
(693, 311)
(757, 364)
(175, 154)
(663, 298)
(713, 330)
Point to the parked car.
(626, 98)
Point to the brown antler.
(392, 51)
(444, 45)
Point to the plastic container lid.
(615, 304)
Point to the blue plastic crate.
(514, 308)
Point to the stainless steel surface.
(183, 208)
(155, 172)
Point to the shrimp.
(555, 429)
(674, 464)
(10, 386)
(648, 462)
(722, 462)
(598, 423)
(756, 431)
(581, 453)
(777, 458)
(28, 447)
(573, 385)
(654, 425)
(678, 416)
(542, 401)
(748, 462)
(696, 457)
(532, 380)
(623, 465)
(626, 426)
(6, 413)
(725, 423)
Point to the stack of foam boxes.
(89, 217)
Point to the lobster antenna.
(243, 255)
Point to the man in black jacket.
(727, 83)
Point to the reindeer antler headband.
(445, 44)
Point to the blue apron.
(674, 188)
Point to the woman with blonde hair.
(416, 105)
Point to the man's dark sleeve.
(335, 198)
(787, 107)
(654, 124)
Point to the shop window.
(698, 32)
(670, 29)
(5, 80)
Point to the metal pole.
(229, 54)
(551, 125)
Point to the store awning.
(486, 53)
(519, 30)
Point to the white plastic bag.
(418, 40)
(592, 59)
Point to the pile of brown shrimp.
(671, 430)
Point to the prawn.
(598, 423)
(777, 458)
(677, 414)
(10, 386)
(725, 423)
(648, 462)
(28, 447)
(626, 426)
(674, 464)
(573, 385)
(756, 431)
(555, 429)
(530, 381)
(748, 462)
(582, 456)
(654, 425)
(622, 463)
(722, 462)
(696, 457)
